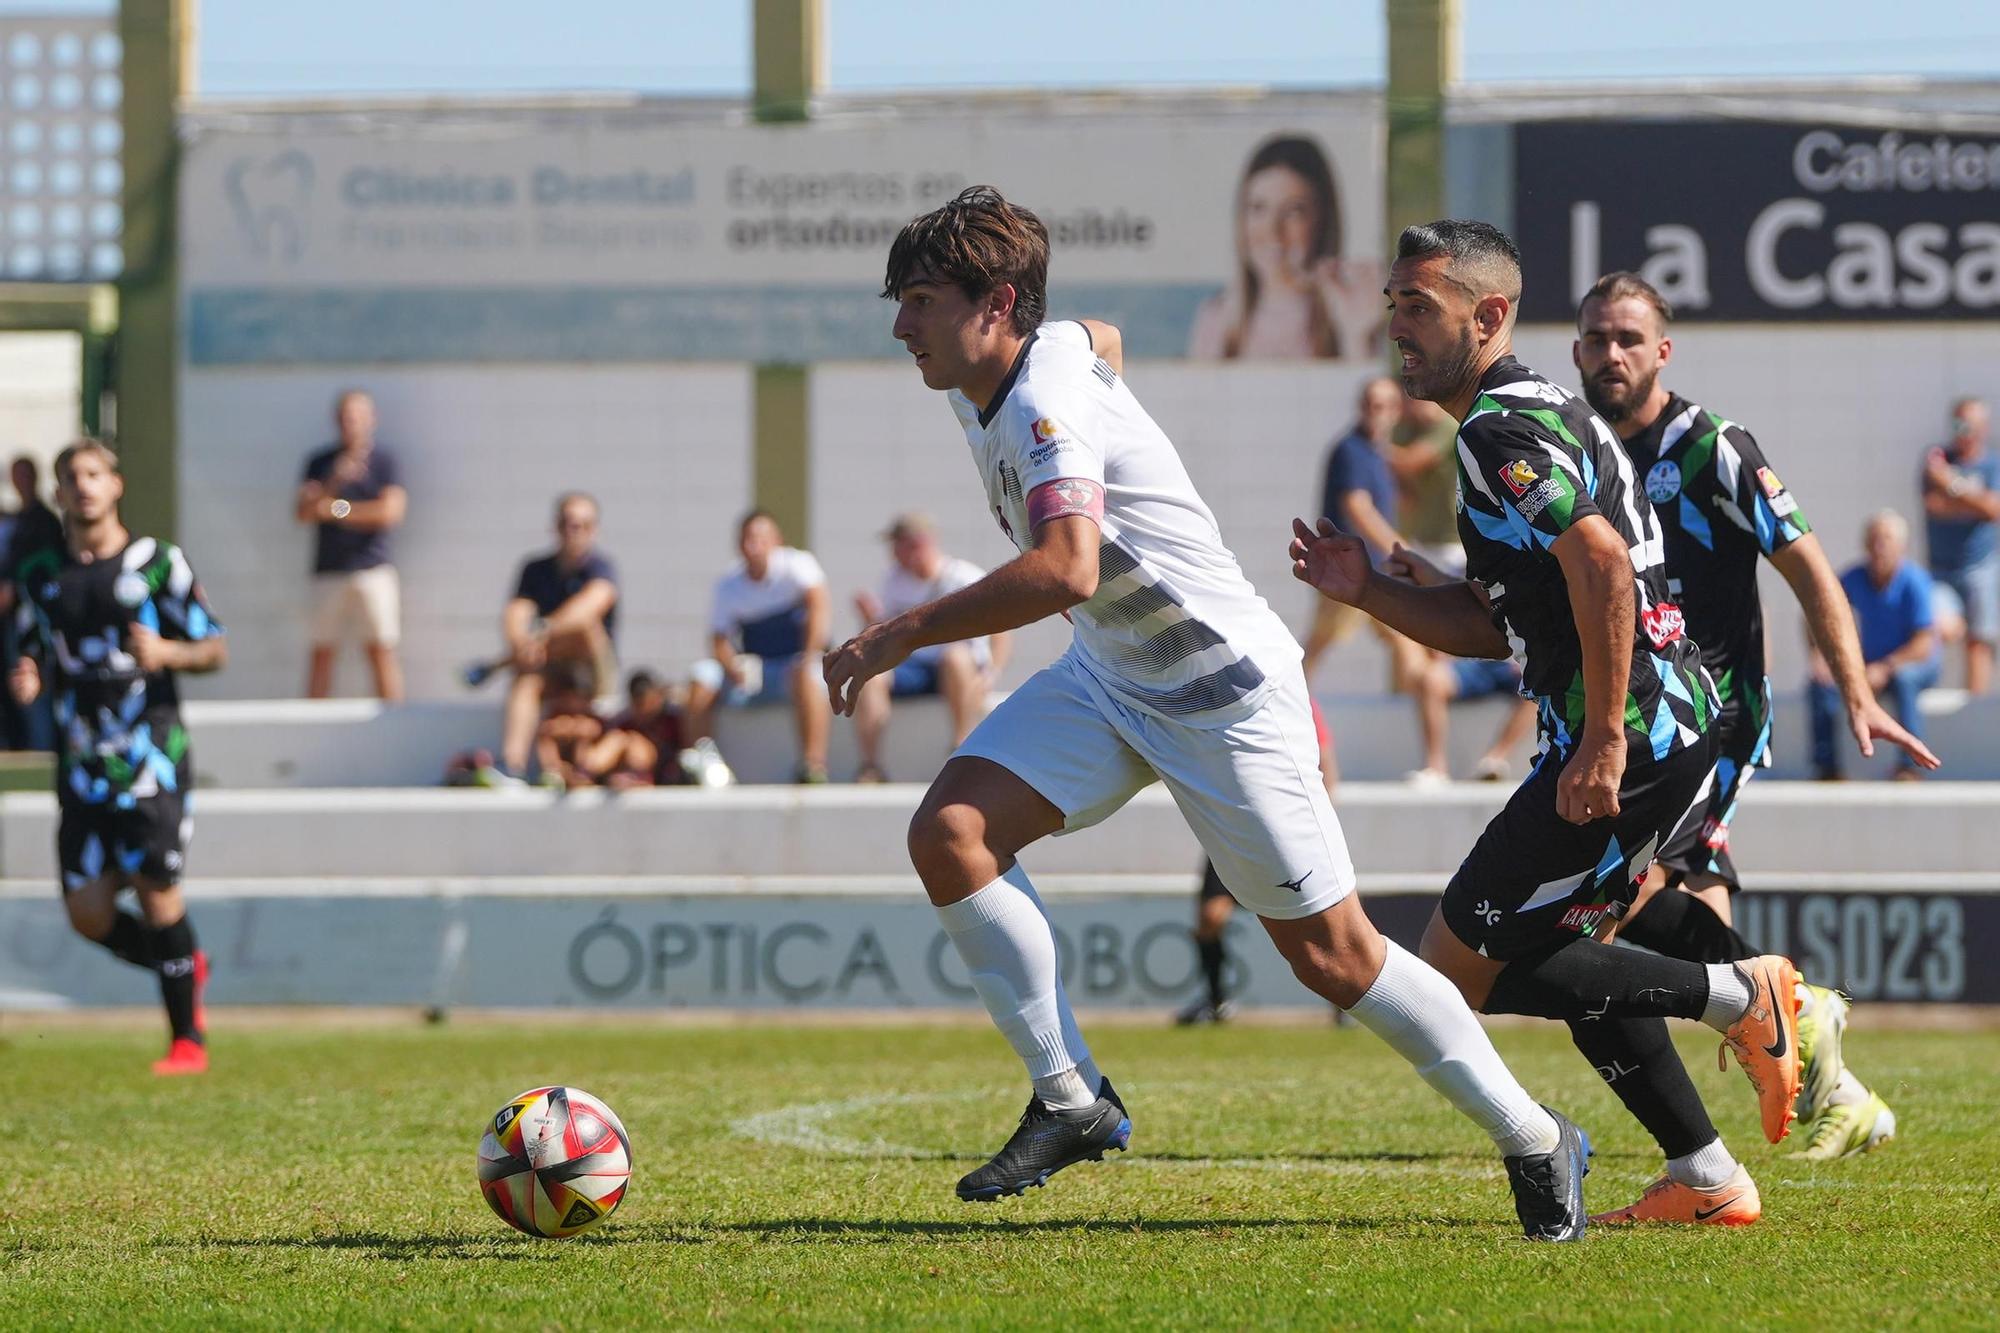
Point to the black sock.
(129, 940)
(1681, 925)
(173, 955)
(1583, 979)
(1212, 960)
(1637, 1058)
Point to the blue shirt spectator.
(1891, 598)
(1359, 466)
(1888, 616)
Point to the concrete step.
(1392, 829)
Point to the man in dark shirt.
(31, 528)
(353, 495)
(107, 620)
(1566, 572)
(1722, 508)
(564, 608)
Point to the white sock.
(1004, 937)
(1728, 996)
(1425, 1020)
(1847, 1090)
(1705, 1168)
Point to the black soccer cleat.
(1046, 1142)
(1548, 1187)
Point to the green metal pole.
(790, 63)
(158, 71)
(1423, 63)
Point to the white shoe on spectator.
(705, 766)
(1493, 768)
(1427, 778)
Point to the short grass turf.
(803, 1178)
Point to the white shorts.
(369, 599)
(1250, 791)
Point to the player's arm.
(1830, 622)
(819, 619)
(1058, 572)
(1107, 342)
(1597, 565)
(1452, 618)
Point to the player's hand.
(1403, 563)
(1330, 561)
(147, 648)
(850, 666)
(1588, 787)
(25, 680)
(1870, 722)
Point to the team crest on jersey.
(1773, 488)
(1663, 481)
(1519, 476)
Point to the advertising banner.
(1127, 951)
(1230, 228)
(1761, 220)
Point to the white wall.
(484, 450)
(40, 382)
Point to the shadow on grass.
(500, 1247)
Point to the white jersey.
(903, 591)
(1174, 628)
(764, 616)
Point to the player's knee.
(945, 834)
(89, 918)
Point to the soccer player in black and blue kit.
(108, 619)
(1565, 572)
(1721, 508)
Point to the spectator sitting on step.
(767, 631)
(961, 673)
(564, 609)
(1892, 600)
(641, 746)
(567, 738)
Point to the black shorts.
(1743, 745)
(1212, 885)
(1533, 877)
(148, 840)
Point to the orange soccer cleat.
(185, 1056)
(1734, 1203)
(1766, 1041)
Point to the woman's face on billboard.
(1280, 218)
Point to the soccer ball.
(555, 1161)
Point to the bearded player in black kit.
(108, 619)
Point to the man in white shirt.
(959, 673)
(768, 625)
(1179, 672)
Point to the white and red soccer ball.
(555, 1162)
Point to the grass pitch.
(793, 1177)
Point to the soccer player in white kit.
(1178, 673)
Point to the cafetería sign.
(1761, 220)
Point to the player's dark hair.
(1302, 157)
(639, 682)
(89, 444)
(1625, 285)
(743, 524)
(976, 242)
(1477, 249)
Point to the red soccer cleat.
(185, 1056)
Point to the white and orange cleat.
(1734, 1203)
(185, 1056)
(1766, 1041)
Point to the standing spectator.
(353, 495)
(564, 609)
(31, 528)
(766, 633)
(961, 672)
(1962, 534)
(1892, 610)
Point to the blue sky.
(296, 47)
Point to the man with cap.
(920, 571)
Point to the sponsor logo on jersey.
(1519, 476)
(1047, 430)
(1664, 623)
(1544, 494)
(1582, 919)
(1663, 481)
(1773, 488)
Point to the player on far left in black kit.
(108, 619)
